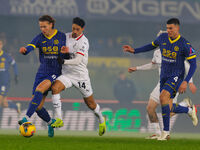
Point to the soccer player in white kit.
(75, 73)
(154, 100)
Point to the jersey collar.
(79, 37)
(50, 37)
(173, 41)
(1, 53)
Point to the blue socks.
(176, 108)
(43, 114)
(166, 116)
(35, 102)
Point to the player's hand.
(64, 49)
(192, 87)
(127, 48)
(23, 50)
(183, 87)
(60, 60)
(132, 69)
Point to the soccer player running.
(75, 73)
(49, 42)
(154, 100)
(174, 49)
(5, 62)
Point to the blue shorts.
(4, 88)
(171, 84)
(41, 77)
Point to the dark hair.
(79, 21)
(174, 21)
(47, 18)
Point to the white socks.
(156, 126)
(189, 110)
(98, 113)
(57, 105)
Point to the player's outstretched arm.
(148, 66)
(148, 47)
(128, 48)
(132, 69)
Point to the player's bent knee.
(163, 99)
(57, 87)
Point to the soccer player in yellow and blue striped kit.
(174, 49)
(49, 42)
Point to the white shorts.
(84, 86)
(155, 94)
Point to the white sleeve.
(187, 67)
(148, 66)
(75, 61)
(83, 47)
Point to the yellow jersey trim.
(173, 41)
(50, 37)
(1, 53)
(191, 57)
(170, 86)
(154, 44)
(32, 45)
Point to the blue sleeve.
(192, 69)
(145, 48)
(33, 44)
(149, 47)
(190, 55)
(189, 51)
(157, 42)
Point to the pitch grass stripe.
(94, 143)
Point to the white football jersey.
(157, 59)
(79, 45)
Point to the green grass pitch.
(91, 141)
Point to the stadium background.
(109, 25)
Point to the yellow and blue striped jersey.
(174, 53)
(49, 49)
(5, 62)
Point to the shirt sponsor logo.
(176, 48)
(56, 42)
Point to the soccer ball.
(27, 129)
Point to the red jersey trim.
(80, 53)
(79, 37)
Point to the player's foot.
(193, 115)
(58, 123)
(187, 101)
(102, 127)
(20, 122)
(152, 137)
(51, 129)
(164, 136)
(18, 108)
